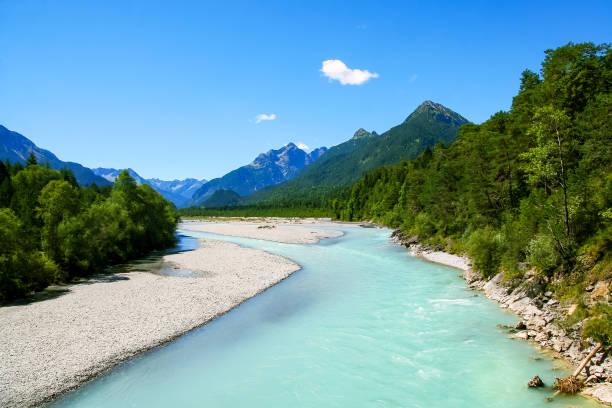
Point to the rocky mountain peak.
(362, 133)
(435, 111)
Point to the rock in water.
(536, 381)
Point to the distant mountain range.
(176, 191)
(277, 175)
(270, 168)
(16, 148)
(344, 164)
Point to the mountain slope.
(16, 148)
(177, 191)
(344, 164)
(272, 167)
(222, 198)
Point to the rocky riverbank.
(540, 314)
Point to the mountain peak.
(438, 112)
(361, 133)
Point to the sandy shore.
(269, 231)
(52, 346)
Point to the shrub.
(542, 253)
(484, 247)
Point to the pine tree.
(31, 159)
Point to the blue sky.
(174, 89)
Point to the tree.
(22, 270)
(6, 190)
(546, 162)
(68, 176)
(27, 185)
(57, 201)
(31, 161)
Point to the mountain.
(184, 188)
(111, 174)
(344, 164)
(222, 198)
(177, 191)
(16, 148)
(272, 167)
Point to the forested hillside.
(344, 164)
(529, 188)
(52, 229)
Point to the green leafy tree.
(546, 162)
(22, 270)
(27, 185)
(58, 200)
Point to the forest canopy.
(53, 230)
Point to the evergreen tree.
(31, 161)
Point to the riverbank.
(276, 230)
(539, 316)
(52, 346)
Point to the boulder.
(541, 336)
(601, 291)
(536, 381)
(522, 335)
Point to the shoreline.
(537, 324)
(267, 230)
(227, 253)
(54, 346)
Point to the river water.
(363, 324)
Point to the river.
(363, 324)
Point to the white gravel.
(268, 232)
(52, 346)
(442, 258)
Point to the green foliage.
(257, 211)
(222, 198)
(484, 248)
(56, 230)
(22, 270)
(31, 161)
(542, 254)
(599, 327)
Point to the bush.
(542, 253)
(484, 247)
(599, 327)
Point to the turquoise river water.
(363, 324)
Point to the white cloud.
(263, 116)
(336, 69)
(303, 146)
